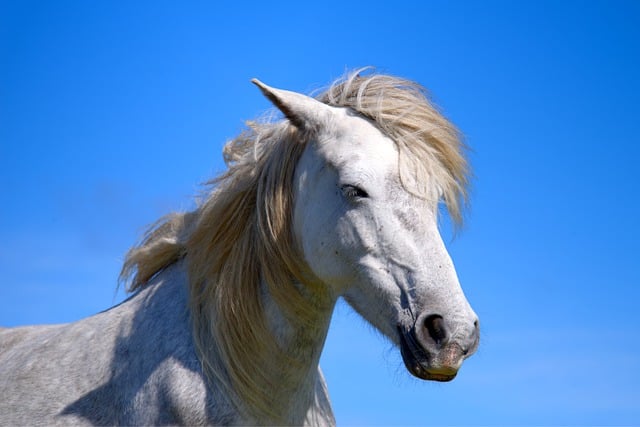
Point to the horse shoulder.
(44, 367)
(132, 364)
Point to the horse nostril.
(474, 338)
(476, 330)
(436, 328)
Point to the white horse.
(232, 301)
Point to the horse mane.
(240, 234)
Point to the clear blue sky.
(112, 113)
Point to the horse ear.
(303, 111)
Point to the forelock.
(432, 155)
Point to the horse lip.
(418, 362)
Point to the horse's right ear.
(303, 111)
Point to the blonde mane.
(240, 235)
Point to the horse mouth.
(441, 367)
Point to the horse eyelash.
(354, 192)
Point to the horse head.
(365, 222)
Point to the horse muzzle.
(430, 352)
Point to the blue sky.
(112, 113)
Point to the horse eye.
(354, 192)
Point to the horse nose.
(435, 347)
(434, 333)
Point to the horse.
(230, 303)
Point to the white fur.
(234, 299)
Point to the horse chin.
(442, 367)
(441, 375)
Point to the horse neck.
(301, 382)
